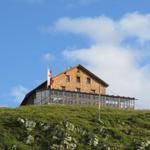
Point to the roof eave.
(92, 74)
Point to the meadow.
(62, 127)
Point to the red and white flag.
(49, 78)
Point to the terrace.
(51, 96)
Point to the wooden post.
(119, 103)
(99, 103)
(129, 104)
(134, 104)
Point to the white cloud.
(48, 57)
(18, 93)
(112, 55)
(104, 29)
(3, 106)
(137, 25)
(99, 29)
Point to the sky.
(109, 37)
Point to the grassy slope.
(126, 129)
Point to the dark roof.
(31, 92)
(93, 75)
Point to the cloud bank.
(119, 52)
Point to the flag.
(49, 78)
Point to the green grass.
(123, 129)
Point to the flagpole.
(49, 82)
(48, 86)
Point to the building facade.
(79, 79)
(77, 85)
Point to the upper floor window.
(63, 88)
(93, 91)
(78, 90)
(88, 80)
(78, 79)
(67, 78)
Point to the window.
(62, 88)
(78, 89)
(78, 79)
(93, 91)
(67, 78)
(78, 70)
(88, 81)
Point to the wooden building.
(77, 85)
(79, 79)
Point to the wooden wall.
(60, 81)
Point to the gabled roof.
(92, 75)
(88, 72)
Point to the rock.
(109, 133)
(46, 128)
(20, 120)
(93, 141)
(30, 125)
(14, 147)
(69, 126)
(57, 147)
(64, 135)
(55, 138)
(30, 140)
(144, 145)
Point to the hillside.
(73, 128)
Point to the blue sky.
(37, 34)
